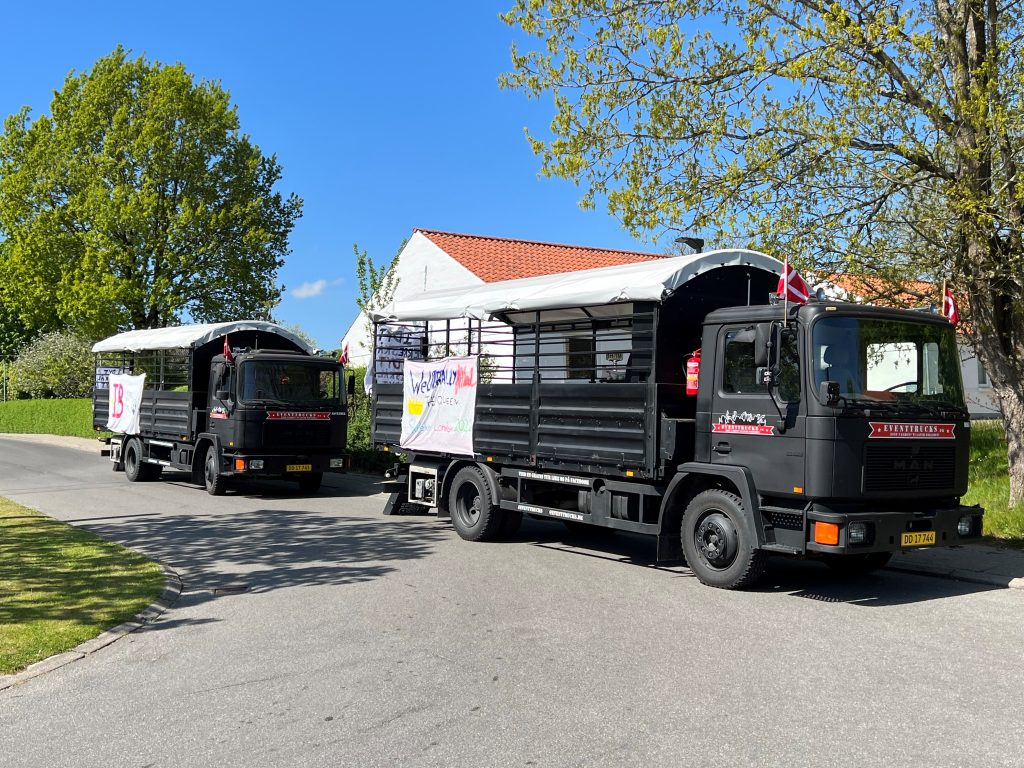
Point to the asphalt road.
(362, 640)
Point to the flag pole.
(944, 297)
(785, 292)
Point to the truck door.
(746, 428)
(223, 400)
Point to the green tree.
(861, 136)
(377, 283)
(57, 364)
(136, 200)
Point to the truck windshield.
(883, 360)
(289, 382)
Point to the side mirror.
(351, 386)
(829, 392)
(764, 340)
(222, 394)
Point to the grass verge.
(989, 484)
(48, 417)
(61, 586)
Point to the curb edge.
(171, 593)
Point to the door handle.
(723, 448)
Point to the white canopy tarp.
(185, 336)
(644, 281)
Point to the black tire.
(310, 482)
(216, 483)
(716, 544)
(857, 565)
(475, 516)
(134, 466)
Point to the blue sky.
(385, 116)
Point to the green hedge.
(52, 417)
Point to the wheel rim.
(130, 460)
(715, 538)
(468, 503)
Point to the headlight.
(965, 526)
(857, 533)
(256, 464)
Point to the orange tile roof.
(886, 293)
(501, 258)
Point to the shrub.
(56, 365)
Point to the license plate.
(917, 539)
(309, 468)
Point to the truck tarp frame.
(185, 336)
(645, 281)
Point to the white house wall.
(422, 266)
(981, 401)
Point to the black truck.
(677, 398)
(223, 401)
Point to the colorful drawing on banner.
(439, 405)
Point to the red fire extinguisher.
(692, 372)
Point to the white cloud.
(308, 290)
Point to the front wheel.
(216, 483)
(716, 544)
(475, 516)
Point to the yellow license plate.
(917, 539)
(309, 468)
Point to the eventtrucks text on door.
(830, 430)
(222, 401)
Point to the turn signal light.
(826, 533)
(239, 465)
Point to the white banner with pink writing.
(439, 405)
(125, 402)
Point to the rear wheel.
(716, 544)
(857, 565)
(216, 483)
(132, 458)
(310, 482)
(475, 516)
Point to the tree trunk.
(1012, 405)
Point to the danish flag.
(228, 357)
(793, 286)
(949, 308)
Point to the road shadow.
(335, 485)
(805, 579)
(268, 549)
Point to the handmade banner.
(394, 344)
(439, 402)
(125, 402)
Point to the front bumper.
(276, 465)
(886, 529)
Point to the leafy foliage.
(57, 364)
(136, 200)
(870, 137)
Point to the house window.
(982, 375)
(579, 356)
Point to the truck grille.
(909, 468)
(296, 434)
